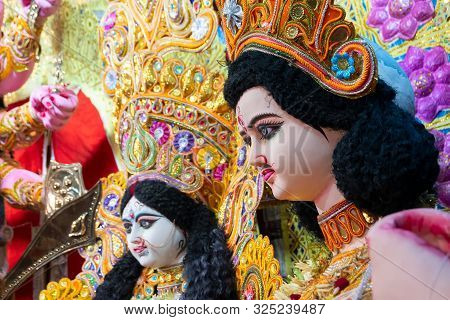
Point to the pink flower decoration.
(429, 74)
(399, 18)
(160, 131)
(219, 171)
(110, 21)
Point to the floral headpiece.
(311, 34)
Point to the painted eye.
(265, 131)
(268, 131)
(146, 223)
(127, 227)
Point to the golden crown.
(172, 122)
(312, 34)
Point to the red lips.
(139, 249)
(268, 174)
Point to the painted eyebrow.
(260, 117)
(126, 220)
(146, 215)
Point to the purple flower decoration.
(110, 21)
(160, 131)
(219, 171)
(184, 141)
(399, 18)
(111, 202)
(429, 74)
(242, 156)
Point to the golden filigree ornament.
(258, 272)
(20, 44)
(172, 120)
(160, 284)
(66, 289)
(313, 35)
(23, 194)
(19, 128)
(236, 214)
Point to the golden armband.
(23, 194)
(19, 128)
(20, 45)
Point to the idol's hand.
(53, 105)
(410, 255)
(17, 174)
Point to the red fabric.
(82, 140)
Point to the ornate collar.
(341, 223)
(161, 284)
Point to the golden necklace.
(340, 278)
(346, 275)
(161, 284)
(341, 223)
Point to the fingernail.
(48, 104)
(52, 99)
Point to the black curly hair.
(386, 159)
(208, 270)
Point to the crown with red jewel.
(311, 34)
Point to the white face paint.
(153, 240)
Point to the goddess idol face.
(153, 240)
(294, 158)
